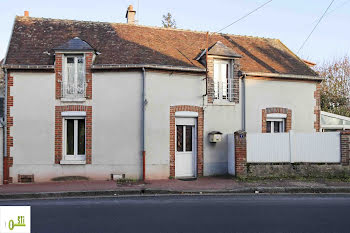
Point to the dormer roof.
(75, 44)
(219, 49)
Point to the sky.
(290, 21)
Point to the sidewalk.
(204, 185)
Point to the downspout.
(243, 102)
(143, 103)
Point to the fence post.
(291, 146)
(344, 147)
(241, 153)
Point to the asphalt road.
(234, 213)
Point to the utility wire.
(336, 8)
(324, 13)
(245, 16)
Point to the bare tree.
(168, 21)
(335, 89)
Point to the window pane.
(188, 138)
(70, 137)
(224, 76)
(268, 126)
(70, 75)
(179, 138)
(81, 77)
(276, 126)
(216, 80)
(70, 60)
(81, 136)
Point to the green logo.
(20, 223)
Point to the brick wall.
(286, 111)
(317, 110)
(59, 128)
(240, 153)
(8, 160)
(200, 125)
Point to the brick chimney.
(130, 15)
(26, 13)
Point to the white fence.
(293, 147)
(231, 154)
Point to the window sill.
(223, 103)
(69, 100)
(73, 162)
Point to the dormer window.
(223, 80)
(73, 64)
(73, 83)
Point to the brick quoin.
(200, 126)
(8, 160)
(317, 109)
(266, 111)
(88, 74)
(240, 153)
(345, 147)
(59, 129)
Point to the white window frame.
(219, 84)
(65, 75)
(275, 121)
(75, 156)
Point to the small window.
(275, 125)
(223, 80)
(184, 138)
(74, 138)
(74, 77)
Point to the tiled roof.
(125, 44)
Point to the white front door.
(185, 149)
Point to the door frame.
(186, 111)
(194, 140)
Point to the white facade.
(116, 121)
(297, 96)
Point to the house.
(106, 100)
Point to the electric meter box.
(215, 136)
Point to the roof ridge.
(145, 26)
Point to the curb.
(140, 192)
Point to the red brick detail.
(345, 147)
(8, 160)
(200, 127)
(266, 111)
(317, 109)
(59, 71)
(88, 63)
(59, 128)
(210, 80)
(240, 153)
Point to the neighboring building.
(334, 122)
(93, 99)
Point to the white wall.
(162, 91)
(116, 124)
(34, 123)
(115, 129)
(295, 95)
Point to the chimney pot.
(130, 15)
(26, 13)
